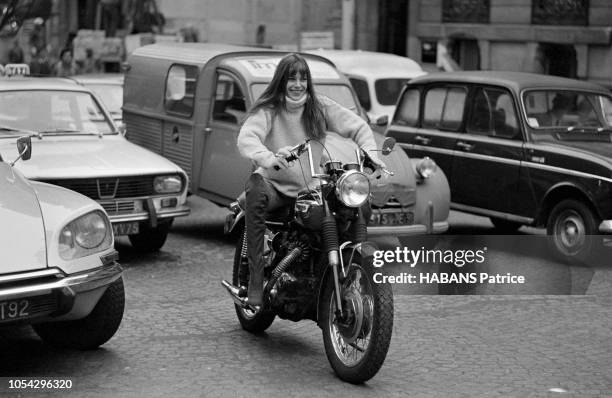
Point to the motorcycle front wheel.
(251, 321)
(356, 346)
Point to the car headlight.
(167, 184)
(88, 234)
(426, 167)
(353, 188)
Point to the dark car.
(522, 149)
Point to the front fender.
(365, 249)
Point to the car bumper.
(64, 296)
(605, 227)
(407, 230)
(149, 215)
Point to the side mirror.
(387, 146)
(24, 147)
(382, 120)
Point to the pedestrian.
(16, 53)
(65, 66)
(90, 64)
(39, 64)
(287, 113)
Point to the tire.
(151, 239)
(378, 300)
(92, 331)
(572, 228)
(254, 322)
(505, 225)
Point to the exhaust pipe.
(233, 292)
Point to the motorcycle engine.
(292, 297)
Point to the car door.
(487, 159)
(223, 171)
(432, 130)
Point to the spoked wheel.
(356, 344)
(251, 321)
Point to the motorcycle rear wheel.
(357, 349)
(251, 321)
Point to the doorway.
(558, 59)
(392, 26)
(465, 52)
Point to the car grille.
(110, 188)
(118, 207)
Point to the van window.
(229, 104)
(444, 108)
(387, 90)
(493, 114)
(361, 89)
(180, 89)
(408, 110)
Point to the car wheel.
(93, 330)
(503, 225)
(150, 239)
(572, 228)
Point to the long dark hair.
(273, 97)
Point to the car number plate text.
(15, 309)
(125, 228)
(392, 218)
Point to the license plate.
(125, 228)
(393, 217)
(15, 309)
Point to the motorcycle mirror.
(387, 146)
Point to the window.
(180, 89)
(555, 109)
(387, 90)
(444, 108)
(493, 114)
(363, 94)
(408, 109)
(229, 103)
(466, 11)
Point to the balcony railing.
(476, 11)
(560, 12)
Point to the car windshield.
(387, 90)
(111, 95)
(570, 110)
(339, 93)
(51, 112)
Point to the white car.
(80, 148)
(378, 78)
(58, 268)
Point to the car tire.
(150, 239)
(503, 225)
(92, 331)
(572, 229)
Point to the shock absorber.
(329, 230)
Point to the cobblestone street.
(180, 337)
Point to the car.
(58, 269)
(80, 148)
(520, 148)
(186, 101)
(109, 88)
(376, 77)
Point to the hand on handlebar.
(284, 158)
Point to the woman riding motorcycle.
(287, 113)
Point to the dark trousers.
(261, 199)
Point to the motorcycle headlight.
(353, 188)
(167, 184)
(88, 234)
(426, 167)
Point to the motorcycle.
(318, 266)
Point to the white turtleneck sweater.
(261, 136)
